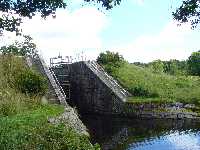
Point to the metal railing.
(113, 83)
(54, 82)
(59, 85)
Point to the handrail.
(112, 80)
(58, 83)
(113, 83)
(58, 89)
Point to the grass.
(146, 86)
(146, 100)
(31, 130)
(24, 120)
(12, 101)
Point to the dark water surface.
(114, 133)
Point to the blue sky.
(133, 18)
(140, 30)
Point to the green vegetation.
(191, 66)
(194, 63)
(110, 61)
(23, 119)
(31, 82)
(24, 48)
(141, 82)
(31, 130)
(155, 86)
(188, 12)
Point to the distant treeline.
(191, 66)
(172, 67)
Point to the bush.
(30, 82)
(12, 101)
(109, 58)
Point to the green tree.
(194, 64)
(110, 61)
(109, 57)
(189, 11)
(13, 11)
(24, 48)
(157, 66)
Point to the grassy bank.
(31, 130)
(24, 120)
(146, 86)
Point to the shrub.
(30, 82)
(109, 57)
(12, 101)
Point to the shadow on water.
(114, 133)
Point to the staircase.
(61, 74)
(56, 89)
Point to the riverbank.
(32, 130)
(157, 95)
(27, 119)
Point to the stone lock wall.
(93, 91)
(92, 94)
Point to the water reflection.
(173, 141)
(114, 133)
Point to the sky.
(140, 30)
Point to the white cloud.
(172, 42)
(80, 30)
(69, 32)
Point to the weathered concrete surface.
(160, 111)
(92, 90)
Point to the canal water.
(114, 133)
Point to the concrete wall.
(91, 93)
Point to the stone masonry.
(92, 90)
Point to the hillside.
(146, 86)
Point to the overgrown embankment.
(24, 117)
(153, 92)
(148, 86)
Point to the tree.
(157, 66)
(12, 11)
(189, 11)
(110, 61)
(24, 48)
(109, 58)
(194, 63)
